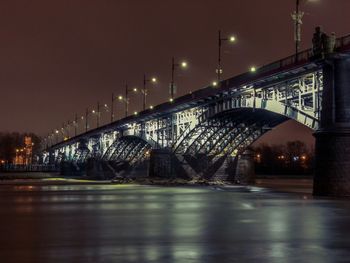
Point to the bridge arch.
(206, 148)
(129, 148)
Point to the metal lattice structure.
(212, 122)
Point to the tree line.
(292, 158)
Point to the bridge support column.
(332, 150)
(245, 170)
(164, 164)
(161, 164)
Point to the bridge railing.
(28, 168)
(343, 42)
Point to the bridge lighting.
(151, 107)
(252, 69)
(221, 39)
(171, 99)
(297, 17)
(174, 65)
(135, 113)
(145, 90)
(214, 83)
(232, 39)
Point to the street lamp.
(126, 99)
(56, 132)
(231, 39)
(98, 112)
(144, 90)
(297, 16)
(75, 124)
(174, 65)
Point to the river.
(48, 222)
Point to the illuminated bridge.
(205, 134)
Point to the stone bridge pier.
(332, 150)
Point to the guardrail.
(28, 168)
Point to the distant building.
(24, 155)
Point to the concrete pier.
(332, 150)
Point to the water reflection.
(111, 223)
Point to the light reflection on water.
(111, 223)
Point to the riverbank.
(291, 184)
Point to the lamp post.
(68, 129)
(126, 99)
(112, 108)
(75, 124)
(220, 41)
(86, 119)
(297, 16)
(174, 65)
(98, 115)
(98, 112)
(56, 132)
(144, 90)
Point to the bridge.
(207, 133)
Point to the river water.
(129, 223)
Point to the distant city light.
(253, 69)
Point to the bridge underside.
(210, 149)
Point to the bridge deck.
(277, 71)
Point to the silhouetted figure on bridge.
(322, 44)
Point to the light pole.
(144, 90)
(112, 108)
(174, 65)
(220, 40)
(98, 113)
(68, 129)
(126, 99)
(56, 132)
(86, 119)
(297, 17)
(75, 124)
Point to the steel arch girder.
(207, 134)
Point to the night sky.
(59, 57)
